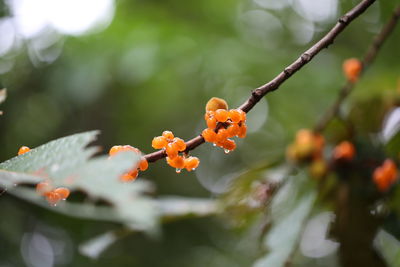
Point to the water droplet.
(214, 144)
(193, 169)
(226, 151)
(178, 170)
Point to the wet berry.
(221, 115)
(191, 163)
(177, 162)
(168, 135)
(63, 192)
(159, 142)
(53, 198)
(209, 135)
(228, 145)
(171, 150)
(179, 144)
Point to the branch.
(368, 59)
(258, 93)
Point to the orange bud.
(216, 103)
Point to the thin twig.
(258, 93)
(369, 57)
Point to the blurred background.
(133, 69)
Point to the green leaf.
(289, 210)
(389, 247)
(66, 162)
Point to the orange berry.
(233, 130)
(179, 144)
(242, 131)
(352, 68)
(390, 169)
(43, 188)
(171, 150)
(242, 115)
(177, 162)
(211, 122)
(23, 150)
(63, 192)
(304, 136)
(168, 134)
(159, 142)
(216, 103)
(380, 180)
(221, 115)
(130, 176)
(222, 135)
(209, 135)
(53, 198)
(235, 115)
(143, 165)
(344, 151)
(228, 145)
(191, 163)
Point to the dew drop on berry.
(178, 170)
(226, 151)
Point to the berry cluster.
(385, 175)
(308, 147)
(52, 195)
(141, 166)
(23, 150)
(173, 146)
(222, 125)
(352, 68)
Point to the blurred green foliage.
(153, 69)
